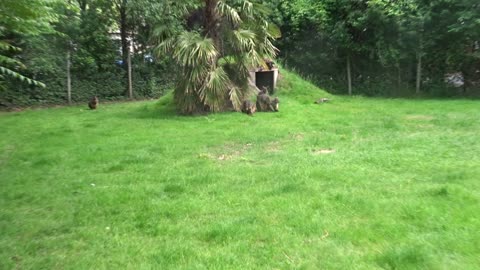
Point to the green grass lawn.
(357, 183)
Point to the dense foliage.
(218, 47)
(372, 47)
(21, 18)
(389, 47)
(87, 34)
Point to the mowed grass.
(357, 183)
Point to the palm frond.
(4, 60)
(244, 39)
(238, 94)
(247, 8)
(165, 46)
(274, 31)
(19, 76)
(196, 75)
(216, 85)
(192, 49)
(162, 32)
(8, 47)
(229, 12)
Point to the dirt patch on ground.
(425, 126)
(323, 151)
(227, 152)
(7, 151)
(298, 136)
(420, 117)
(273, 147)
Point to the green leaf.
(19, 76)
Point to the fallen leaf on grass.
(323, 151)
(325, 235)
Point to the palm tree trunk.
(211, 22)
(82, 4)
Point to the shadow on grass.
(291, 87)
(153, 111)
(161, 109)
(164, 109)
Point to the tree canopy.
(216, 49)
(20, 18)
(367, 47)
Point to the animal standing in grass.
(249, 107)
(93, 104)
(266, 104)
(322, 100)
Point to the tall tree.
(17, 18)
(216, 48)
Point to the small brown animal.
(263, 91)
(270, 64)
(93, 103)
(275, 104)
(322, 100)
(248, 107)
(266, 104)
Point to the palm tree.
(215, 52)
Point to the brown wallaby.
(248, 107)
(93, 103)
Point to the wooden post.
(69, 79)
(399, 77)
(419, 72)
(419, 57)
(349, 75)
(130, 87)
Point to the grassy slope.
(134, 186)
